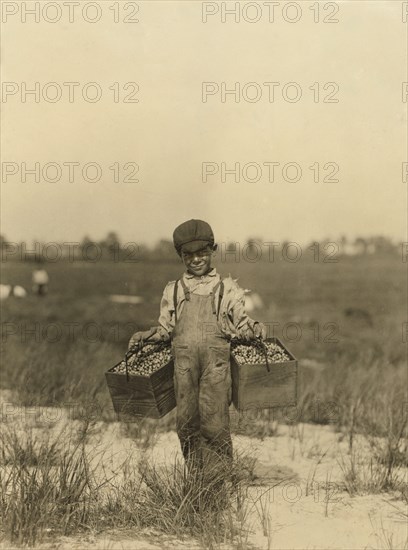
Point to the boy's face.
(198, 263)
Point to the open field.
(58, 348)
(344, 322)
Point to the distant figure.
(40, 281)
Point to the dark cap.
(192, 235)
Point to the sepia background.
(321, 249)
(170, 132)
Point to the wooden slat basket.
(137, 396)
(256, 387)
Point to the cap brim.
(194, 246)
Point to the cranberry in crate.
(264, 375)
(142, 384)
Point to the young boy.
(201, 313)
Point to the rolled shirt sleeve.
(234, 317)
(167, 317)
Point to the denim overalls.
(202, 378)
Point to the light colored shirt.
(232, 319)
(40, 277)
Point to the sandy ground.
(297, 499)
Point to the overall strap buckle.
(185, 289)
(175, 299)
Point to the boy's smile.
(198, 263)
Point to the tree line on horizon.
(112, 247)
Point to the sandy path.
(297, 500)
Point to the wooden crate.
(142, 396)
(253, 387)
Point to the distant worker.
(40, 281)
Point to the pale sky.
(170, 132)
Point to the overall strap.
(185, 289)
(175, 300)
(220, 297)
(219, 285)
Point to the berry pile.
(146, 361)
(250, 354)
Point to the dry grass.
(46, 486)
(56, 485)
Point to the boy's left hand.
(260, 330)
(257, 331)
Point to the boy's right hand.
(135, 339)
